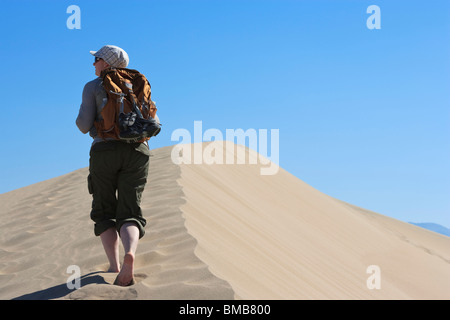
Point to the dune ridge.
(217, 231)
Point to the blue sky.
(363, 115)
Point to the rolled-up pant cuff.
(101, 227)
(138, 224)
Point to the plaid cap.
(112, 55)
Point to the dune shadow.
(62, 290)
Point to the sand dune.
(45, 228)
(218, 232)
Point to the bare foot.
(126, 275)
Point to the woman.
(117, 174)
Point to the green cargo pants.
(117, 177)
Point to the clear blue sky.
(363, 114)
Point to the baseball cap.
(112, 55)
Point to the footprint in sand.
(103, 289)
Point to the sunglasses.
(97, 59)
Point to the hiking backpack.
(129, 113)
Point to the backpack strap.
(121, 96)
(129, 86)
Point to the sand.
(220, 231)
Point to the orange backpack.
(129, 113)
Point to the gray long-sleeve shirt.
(93, 100)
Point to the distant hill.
(434, 227)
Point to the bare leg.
(129, 233)
(110, 241)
